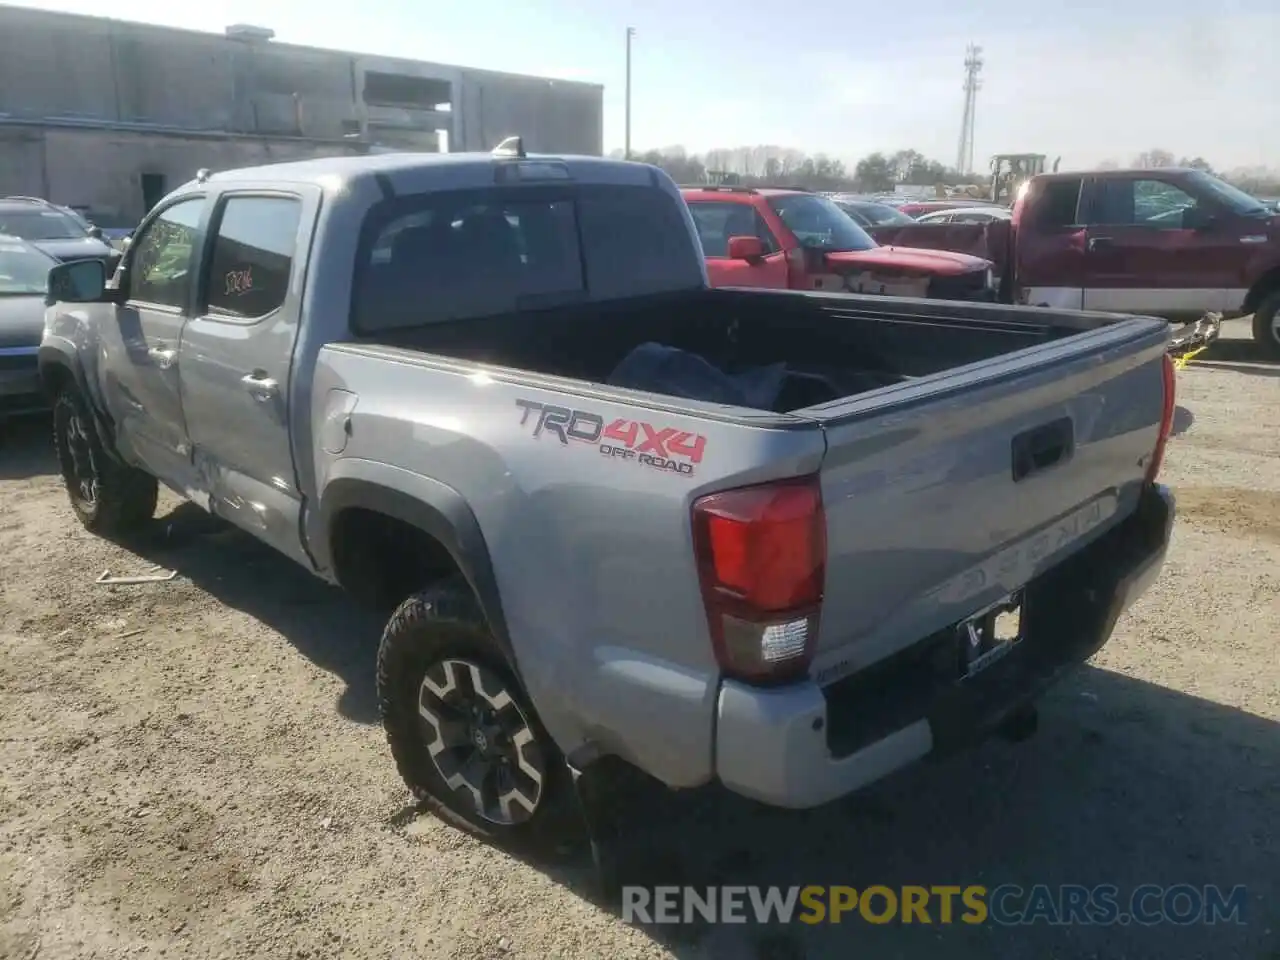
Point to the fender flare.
(438, 511)
(1267, 283)
(52, 356)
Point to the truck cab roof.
(455, 169)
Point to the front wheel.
(464, 736)
(110, 498)
(1266, 325)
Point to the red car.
(792, 239)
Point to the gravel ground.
(194, 768)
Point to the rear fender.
(432, 507)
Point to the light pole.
(626, 148)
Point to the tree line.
(880, 172)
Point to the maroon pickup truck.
(1168, 242)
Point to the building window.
(403, 90)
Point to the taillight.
(1166, 419)
(762, 555)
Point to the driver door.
(140, 372)
(1143, 256)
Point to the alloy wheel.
(481, 742)
(79, 466)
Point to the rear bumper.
(803, 745)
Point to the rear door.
(717, 221)
(237, 357)
(1049, 243)
(1144, 254)
(932, 513)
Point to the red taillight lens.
(762, 553)
(1166, 420)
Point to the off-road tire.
(444, 623)
(1266, 325)
(123, 498)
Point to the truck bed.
(966, 446)
(833, 346)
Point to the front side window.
(1140, 203)
(819, 224)
(448, 256)
(160, 261)
(37, 224)
(252, 258)
(718, 221)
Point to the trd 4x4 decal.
(662, 448)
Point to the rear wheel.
(463, 734)
(1266, 325)
(110, 498)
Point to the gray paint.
(592, 566)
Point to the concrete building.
(109, 115)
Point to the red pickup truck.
(1168, 242)
(792, 239)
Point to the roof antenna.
(202, 175)
(510, 147)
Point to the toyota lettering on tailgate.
(661, 448)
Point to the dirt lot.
(194, 768)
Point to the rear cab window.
(1056, 204)
(455, 255)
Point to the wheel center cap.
(479, 739)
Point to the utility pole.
(972, 68)
(626, 149)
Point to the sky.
(1090, 81)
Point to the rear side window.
(252, 256)
(450, 256)
(1058, 204)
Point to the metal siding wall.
(65, 67)
(552, 116)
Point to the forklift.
(1009, 171)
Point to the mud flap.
(625, 813)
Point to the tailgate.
(948, 492)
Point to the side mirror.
(80, 281)
(95, 231)
(1197, 218)
(746, 248)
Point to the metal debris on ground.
(1196, 339)
(161, 576)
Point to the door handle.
(1099, 243)
(1042, 447)
(261, 387)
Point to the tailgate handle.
(1041, 447)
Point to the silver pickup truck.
(785, 541)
